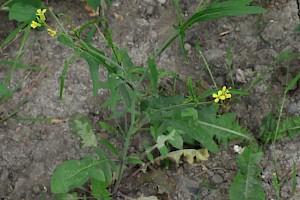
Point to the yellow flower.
(218, 96)
(226, 92)
(51, 32)
(222, 94)
(41, 14)
(34, 24)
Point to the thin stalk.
(276, 132)
(58, 21)
(277, 125)
(207, 67)
(131, 132)
(20, 53)
(166, 44)
(4, 4)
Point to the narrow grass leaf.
(292, 83)
(20, 65)
(12, 35)
(154, 75)
(64, 73)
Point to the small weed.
(172, 122)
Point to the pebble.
(187, 46)
(240, 76)
(150, 10)
(162, 1)
(217, 179)
(210, 173)
(36, 189)
(213, 54)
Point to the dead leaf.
(189, 155)
(118, 17)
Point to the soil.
(30, 150)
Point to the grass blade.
(12, 35)
(64, 73)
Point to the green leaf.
(154, 75)
(190, 113)
(176, 141)
(109, 146)
(292, 83)
(106, 166)
(64, 73)
(99, 190)
(97, 174)
(82, 126)
(72, 174)
(135, 161)
(94, 69)
(21, 66)
(66, 41)
(126, 93)
(4, 90)
(291, 126)
(22, 12)
(217, 12)
(95, 4)
(246, 184)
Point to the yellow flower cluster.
(41, 21)
(222, 94)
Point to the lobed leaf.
(81, 125)
(246, 184)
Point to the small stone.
(36, 189)
(210, 173)
(217, 179)
(284, 194)
(213, 54)
(240, 76)
(150, 10)
(187, 47)
(162, 1)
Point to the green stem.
(166, 44)
(206, 65)
(20, 53)
(131, 132)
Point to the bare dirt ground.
(30, 150)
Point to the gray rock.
(162, 1)
(240, 76)
(187, 46)
(210, 173)
(213, 54)
(217, 179)
(36, 189)
(150, 10)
